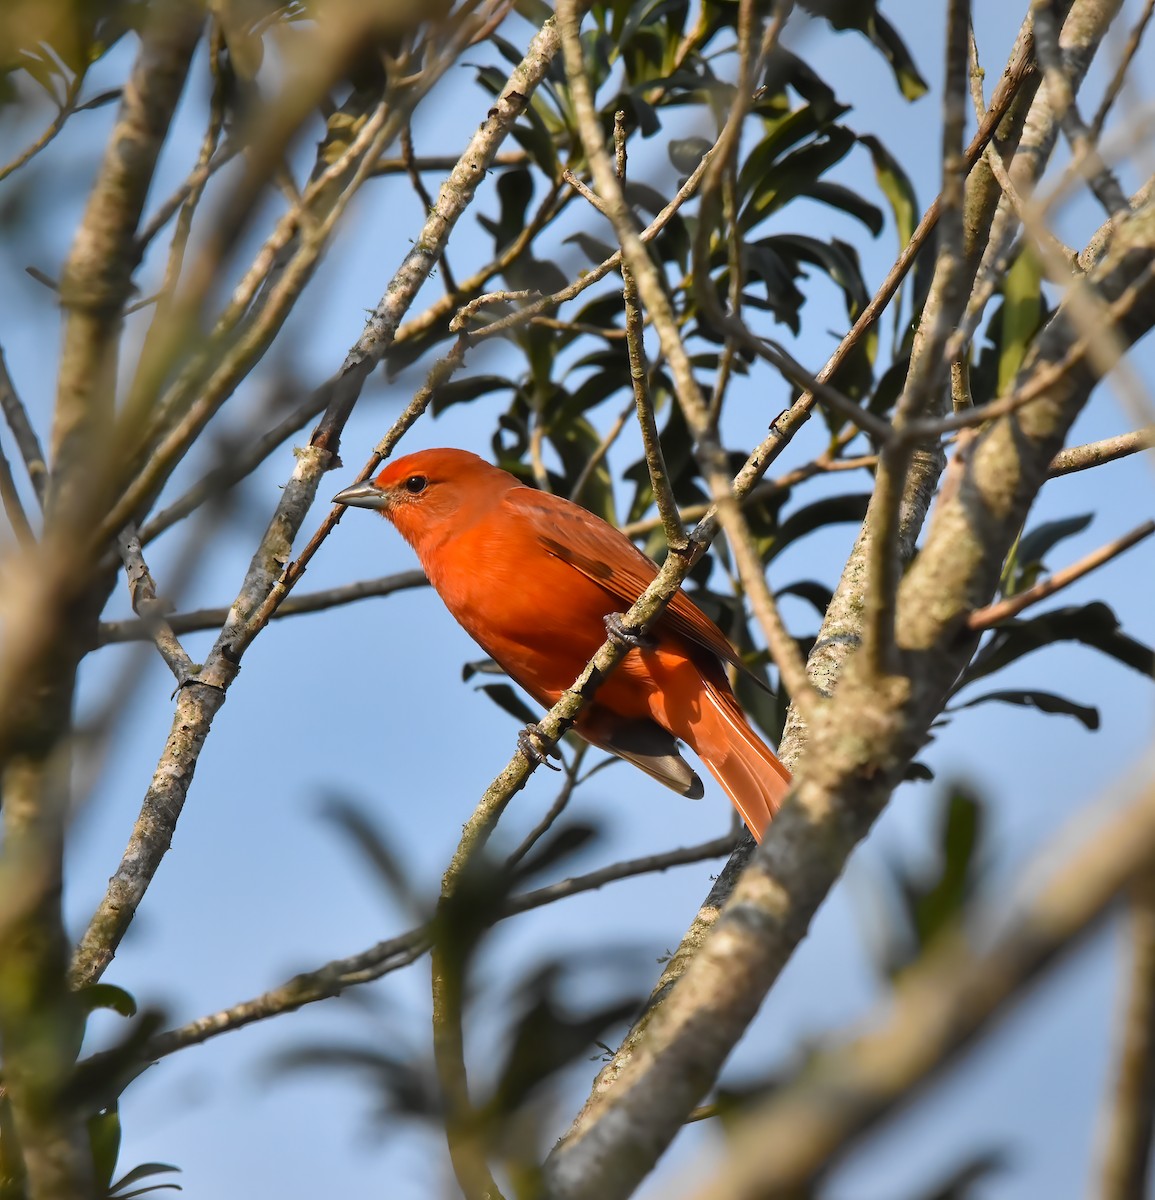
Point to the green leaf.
(896, 186)
(104, 1141)
(1026, 561)
(107, 995)
(1021, 314)
(1046, 702)
(886, 38)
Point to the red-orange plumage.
(531, 577)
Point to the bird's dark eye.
(416, 484)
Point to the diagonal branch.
(940, 1005)
(198, 704)
(856, 753)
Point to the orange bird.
(533, 577)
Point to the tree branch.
(857, 752)
(940, 1005)
(992, 614)
(259, 595)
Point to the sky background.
(365, 703)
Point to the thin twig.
(1122, 70)
(67, 107)
(1087, 159)
(940, 1005)
(1004, 610)
(559, 805)
(334, 977)
(660, 482)
(1126, 1136)
(1095, 454)
(13, 507)
(26, 440)
(150, 608)
(603, 447)
(114, 632)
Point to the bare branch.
(1125, 1135)
(151, 609)
(26, 440)
(938, 1007)
(1095, 454)
(264, 587)
(1004, 610)
(1122, 69)
(112, 632)
(1088, 161)
(334, 977)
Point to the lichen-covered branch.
(199, 702)
(857, 752)
(940, 1005)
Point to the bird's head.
(427, 494)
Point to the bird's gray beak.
(363, 495)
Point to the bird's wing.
(643, 743)
(613, 562)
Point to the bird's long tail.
(747, 769)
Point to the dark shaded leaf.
(1046, 702)
(817, 594)
(863, 16)
(687, 153)
(144, 1171)
(548, 1037)
(848, 201)
(795, 175)
(884, 35)
(461, 391)
(832, 510)
(481, 666)
(404, 1087)
(593, 248)
(959, 1184)
(369, 840)
(1035, 545)
(1093, 625)
(107, 995)
(559, 844)
(503, 695)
